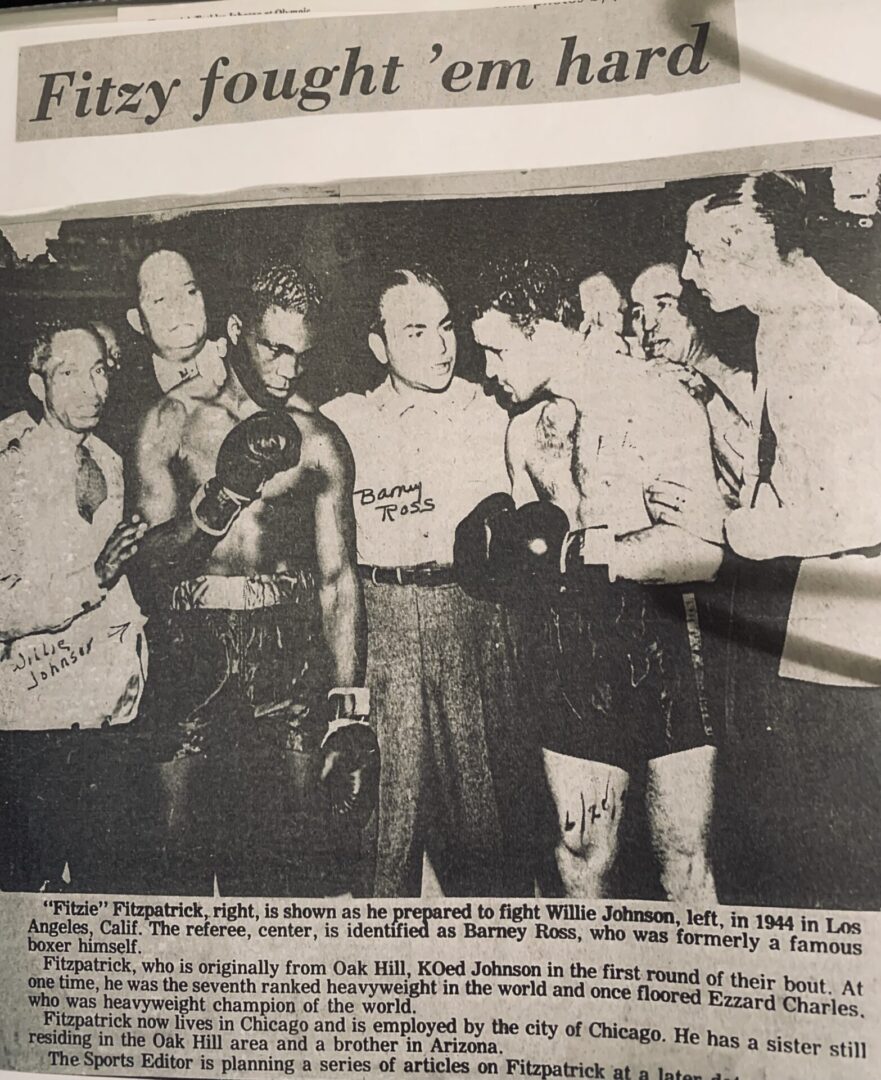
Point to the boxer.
(249, 571)
(628, 703)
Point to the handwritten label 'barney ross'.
(396, 501)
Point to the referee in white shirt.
(428, 446)
(72, 654)
(809, 801)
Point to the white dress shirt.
(819, 375)
(70, 653)
(422, 464)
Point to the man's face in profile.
(664, 332)
(855, 186)
(731, 255)
(171, 306)
(513, 354)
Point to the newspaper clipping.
(439, 619)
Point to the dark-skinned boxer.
(253, 705)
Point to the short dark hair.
(281, 285)
(780, 199)
(526, 290)
(392, 279)
(39, 346)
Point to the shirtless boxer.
(250, 572)
(628, 701)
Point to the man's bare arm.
(342, 603)
(173, 542)
(520, 429)
(664, 555)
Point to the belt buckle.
(373, 580)
(399, 575)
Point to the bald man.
(169, 314)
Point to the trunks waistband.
(429, 575)
(219, 592)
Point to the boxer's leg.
(185, 866)
(679, 796)
(678, 740)
(590, 798)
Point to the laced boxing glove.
(252, 453)
(499, 547)
(350, 771)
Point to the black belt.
(428, 575)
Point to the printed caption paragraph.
(618, 991)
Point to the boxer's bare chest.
(582, 455)
(275, 533)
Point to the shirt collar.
(60, 442)
(171, 373)
(457, 397)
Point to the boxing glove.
(532, 542)
(477, 571)
(350, 771)
(499, 547)
(252, 453)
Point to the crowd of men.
(363, 647)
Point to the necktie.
(91, 484)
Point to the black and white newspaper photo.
(440, 611)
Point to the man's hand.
(121, 545)
(675, 504)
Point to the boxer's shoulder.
(554, 424)
(325, 446)
(168, 414)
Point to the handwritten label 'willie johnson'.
(396, 501)
(40, 663)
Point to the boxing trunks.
(625, 671)
(235, 712)
(234, 650)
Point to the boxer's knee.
(589, 797)
(686, 874)
(680, 806)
